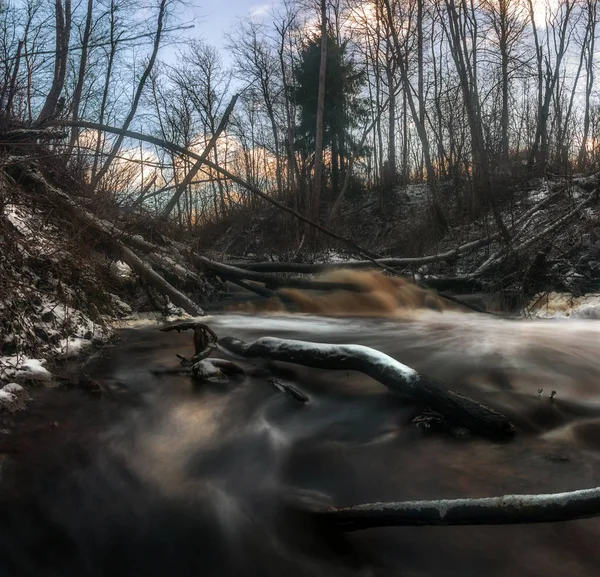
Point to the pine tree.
(344, 107)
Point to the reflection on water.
(202, 480)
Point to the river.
(210, 479)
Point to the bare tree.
(588, 52)
(557, 25)
(138, 94)
(508, 22)
(462, 21)
(421, 129)
(256, 63)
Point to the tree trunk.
(391, 170)
(482, 183)
(82, 69)
(539, 150)
(318, 167)
(63, 34)
(505, 89)
(439, 215)
(592, 15)
(107, 78)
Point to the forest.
(316, 104)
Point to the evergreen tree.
(344, 107)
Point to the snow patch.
(13, 397)
(122, 270)
(562, 305)
(205, 370)
(70, 348)
(24, 368)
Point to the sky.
(214, 18)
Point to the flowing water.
(209, 479)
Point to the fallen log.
(382, 262)
(232, 272)
(294, 267)
(139, 266)
(255, 288)
(146, 272)
(399, 378)
(303, 268)
(505, 510)
(498, 257)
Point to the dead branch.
(204, 336)
(505, 510)
(31, 135)
(399, 378)
(194, 170)
(227, 367)
(290, 391)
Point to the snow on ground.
(540, 193)
(13, 397)
(20, 367)
(51, 292)
(563, 305)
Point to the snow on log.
(145, 271)
(399, 378)
(505, 510)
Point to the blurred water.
(208, 479)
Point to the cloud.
(259, 10)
